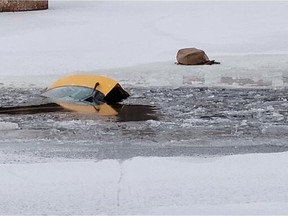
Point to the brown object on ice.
(193, 56)
(22, 5)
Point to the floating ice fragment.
(153, 123)
(277, 116)
(275, 129)
(270, 108)
(8, 126)
(244, 123)
(186, 125)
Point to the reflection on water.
(136, 112)
(241, 80)
(32, 109)
(122, 112)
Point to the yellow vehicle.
(89, 95)
(87, 89)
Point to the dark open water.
(152, 122)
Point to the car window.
(70, 93)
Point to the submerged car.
(89, 95)
(89, 89)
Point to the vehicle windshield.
(72, 93)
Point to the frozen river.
(167, 151)
(207, 140)
(198, 121)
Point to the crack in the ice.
(121, 162)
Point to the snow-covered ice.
(86, 37)
(47, 167)
(226, 185)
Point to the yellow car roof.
(89, 81)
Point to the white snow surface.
(136, 43)
(246, 184)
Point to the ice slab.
(8, 126)
(178, 185)
(235, 71)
